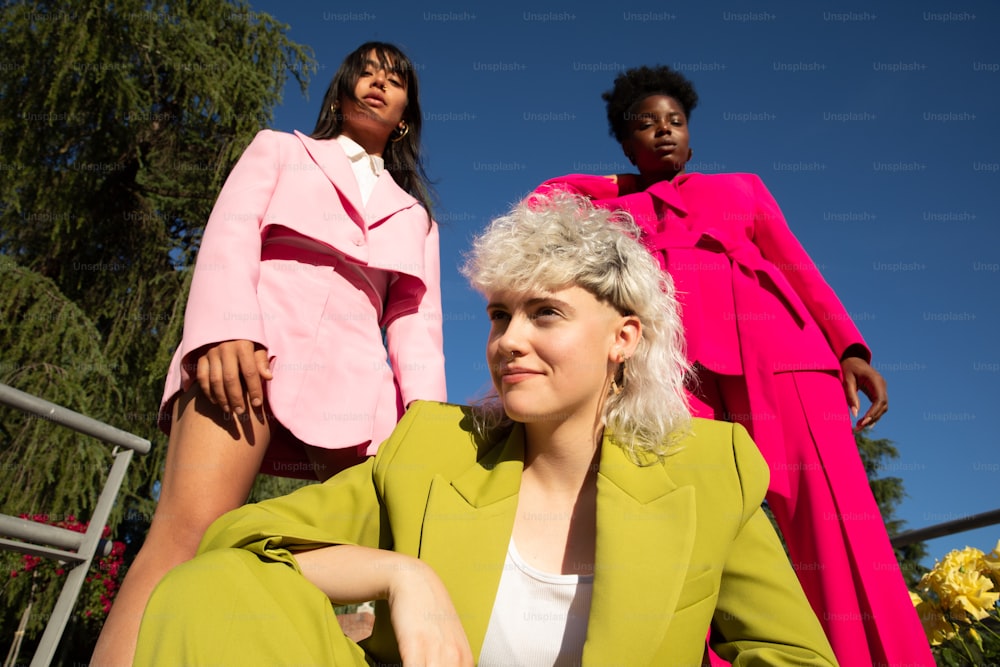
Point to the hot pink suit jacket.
(291, 186)
(753, 302)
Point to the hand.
(428, 630)
(858, 373)
(227, 371)
(627, 183)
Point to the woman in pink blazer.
(314, 317)
(774, 350)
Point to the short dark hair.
(636, 84)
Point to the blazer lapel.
(668, 193)
(466, 531)
(386, 199)
(645, 535)
(330, 158)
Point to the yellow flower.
(961, 585)
(936, 626)
(991, 564)
(958, 598)
(937, 580)
(969, 594)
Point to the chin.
(519, 410)
(533, 415)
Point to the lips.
(512, 374)
(374, 99)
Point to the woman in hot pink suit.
(775, 351)
(317, 250)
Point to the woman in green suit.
(580, 516)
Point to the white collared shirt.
(367, 168)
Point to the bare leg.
(212, 460)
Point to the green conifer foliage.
(119, 122)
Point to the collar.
(355, 153)
(468, 522)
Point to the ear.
(627, 338)
(627, 150)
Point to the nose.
(510, 341)
(380, 79)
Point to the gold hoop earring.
(616, 388)
(403, 129)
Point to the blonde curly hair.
(555, 240)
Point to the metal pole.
(947, 528)
(74, 420)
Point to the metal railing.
(78, 550)
(947, 528)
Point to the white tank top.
(539, 619)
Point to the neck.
(373, 142)
(651, 178)
(562, 459)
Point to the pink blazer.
(753, 302)
(343, 272)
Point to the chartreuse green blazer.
(682, 544)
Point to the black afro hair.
(634, 85)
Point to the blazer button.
(359, 242)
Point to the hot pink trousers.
(831, 524)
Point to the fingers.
(225, 378)
(871, 416)
(437, 651)
(202, 373)
(263, 362)
(851, 391)
(428, 629)
(246, 381)
(234, 370)
(875, 392)
(859, 374)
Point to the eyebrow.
(650, 114)
(533, 302)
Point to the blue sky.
(875, 126)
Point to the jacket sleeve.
(415, 339)
(223, 301)
(780, 247)
(348, 508)
(343, 510)
(587, 185)
(762, 616)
